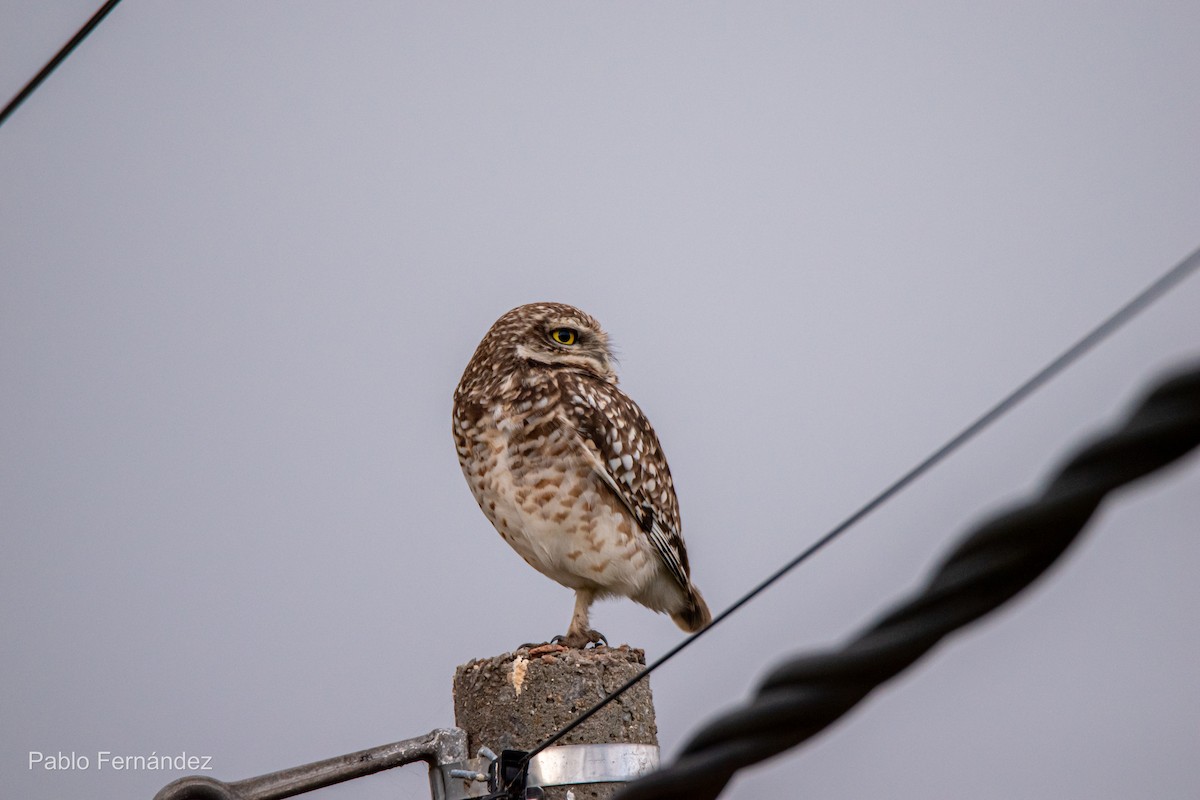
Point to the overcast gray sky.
(246, 250)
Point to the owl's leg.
(579, 635)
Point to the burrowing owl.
(568, 469)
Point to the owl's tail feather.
(695, 615)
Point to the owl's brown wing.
(615, 438)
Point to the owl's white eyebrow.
(563, 357)
(526, 353)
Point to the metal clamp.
(565, 765)
(570, 764)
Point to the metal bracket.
(452, 776)
(490, 777)
(439, 748)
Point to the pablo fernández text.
(105, 760)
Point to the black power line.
(1140, 302)
(59, 57)
(999, 558)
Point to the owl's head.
(553, 335)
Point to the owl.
(568, 469)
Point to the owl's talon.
(581, 640)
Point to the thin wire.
(59, 57)
(999, 557)
(1140, 302)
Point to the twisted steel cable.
(990, 565)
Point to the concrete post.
(515, 700)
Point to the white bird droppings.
(520, 667)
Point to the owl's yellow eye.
(564, 335)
